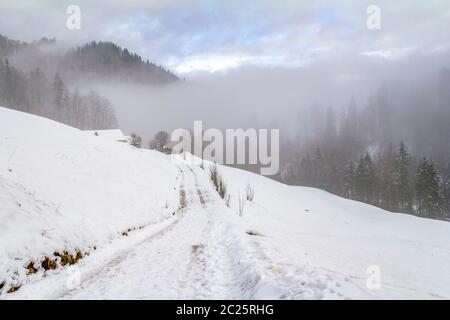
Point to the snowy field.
(64, 190)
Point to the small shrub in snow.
(241, 206)
(13, 289)
(31, 269)
(70, 259)
(222, 188)
(249, 192)
(218, 182)
(253, 233)
(214, 175)
(48, 264)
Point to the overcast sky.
(215, 36)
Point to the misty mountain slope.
(8, 46)
(96, 60)
(106, 59)
(63, 189)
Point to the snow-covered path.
(205, 254)
(185, 261)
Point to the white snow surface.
(62, 190)
(111, 134)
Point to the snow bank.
(62, 189)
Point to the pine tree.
(366, 179)
(58, 91)
(428, 190)
(8, 91)
(401, 178)
(349, 179)
(387, 188)
(305, 174)
(37, 90)
(318, 169)
(446, 196)
(348, 133)
(330, 131)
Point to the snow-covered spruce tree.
(401, 178)
(428, 190)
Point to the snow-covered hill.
(64, 190)
(342, 245)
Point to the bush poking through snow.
(13, 289)
(214, 174)
(196, 247)
(222, 188)
(249, 195)
(219, 184)
(48, 264)
(69, 259)
(58, 260)
(31, 269)
(253, 233)
(249, 192)
(241, 206)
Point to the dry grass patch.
(182, 199)
(196, 247)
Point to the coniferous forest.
(390, 152)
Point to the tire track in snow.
(213, 270)
(158, 268)
(201, 256)
(241, 268)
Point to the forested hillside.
(41, 79)
(392, 151)
(35, 93)
(106, 59)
